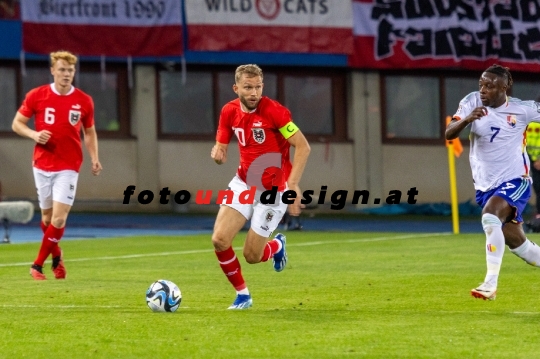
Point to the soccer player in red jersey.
(265, 132)
(59, 110)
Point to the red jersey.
(62, 115)
(258, 134)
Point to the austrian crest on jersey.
(74, 117)
(258, 135)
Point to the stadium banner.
(292, 26)
(103, 27)
(461, 34)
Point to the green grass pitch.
(342, 295)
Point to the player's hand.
(536, 164)
(218, 155)
(42, 137)
(476, 114)
(96, 168)
(296, 208)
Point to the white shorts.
(264, 217)
(55, 186)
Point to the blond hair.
(251, 70)
(63, 55)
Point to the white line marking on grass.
(428, 312)
(60, 306)
(359, 240)
(129, 256)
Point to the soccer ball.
(163, 296)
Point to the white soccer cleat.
(484, 291)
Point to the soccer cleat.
(37, 272)
(242, 301)
(485, 292)
(280, 258)
(58, 268)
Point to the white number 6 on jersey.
(49, 115)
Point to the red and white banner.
(460, 34)
(296, 26)
(103, 27)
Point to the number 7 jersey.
(498, 145)
(62, 115)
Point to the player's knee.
(252, 258)
(219, 242)
(490, 220)
(58, 222)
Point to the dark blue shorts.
(516, 192)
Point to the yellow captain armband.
(288, 130)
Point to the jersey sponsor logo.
(77, 106)
(258, 135)
(257, 124)
(511, 120)
(74, 117)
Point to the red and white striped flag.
(103, 27)
(295, 26)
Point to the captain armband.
(289, 129)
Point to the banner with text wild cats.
(290, 26)
(453, 33)
(103, 27)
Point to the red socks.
(56, 251)
(43, 227)
(49, 243)
(270, 249)
(231, 267)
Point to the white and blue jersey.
(498, 145)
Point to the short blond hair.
(63, 55)
(251, 70)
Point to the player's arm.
(301, 154)
(219, 153)
(457, 125)
(91, 144)
(223, 137)
(20, 127)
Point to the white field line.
(404, 312)
(161, 254)
(67, 306)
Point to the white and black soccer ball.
(163, 296)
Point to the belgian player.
(500, 168)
